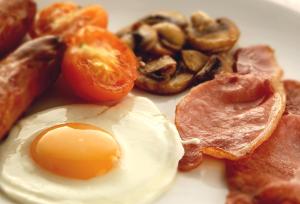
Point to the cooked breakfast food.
(211, 35)
(175, 52)
(129, 153)
(65, 18)
(16, 19)
(271, 174)
(230, 116)
(292, 97)
(125, 154)
(25, 74)
(98, 66)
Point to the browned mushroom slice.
(213, 36)
(193, 60)
(159, 69)
(139, 36)
(166, 16)
(170, 39)
(164, 37)
(170, 35)
(176, 84)
(227, 62)
(213, 66)
(145, 37)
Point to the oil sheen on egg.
(78, 154)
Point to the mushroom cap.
(145, 37)
(193, 60)
(162, 68)
(175, 54)
(176, 84)
(170, 35)
(216, 37)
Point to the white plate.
(260, 22)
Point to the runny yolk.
(75, 150)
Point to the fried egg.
(79, 154)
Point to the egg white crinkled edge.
(131, 109)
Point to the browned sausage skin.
(25, 74)
(16, 19)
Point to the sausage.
(25, 74)
(16, 19)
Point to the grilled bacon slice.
(233, 114)
(271, 174)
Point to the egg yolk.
(75, 150)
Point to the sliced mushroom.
(159, 34)
(170, 35)
(193, 60)
(201, 21)
(211, 35)
(145, 37)
(169, 65)
(159, 69)
(166, 16)
(208, 71)
(176, 84)
(227, 62)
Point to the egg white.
(150, 146)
